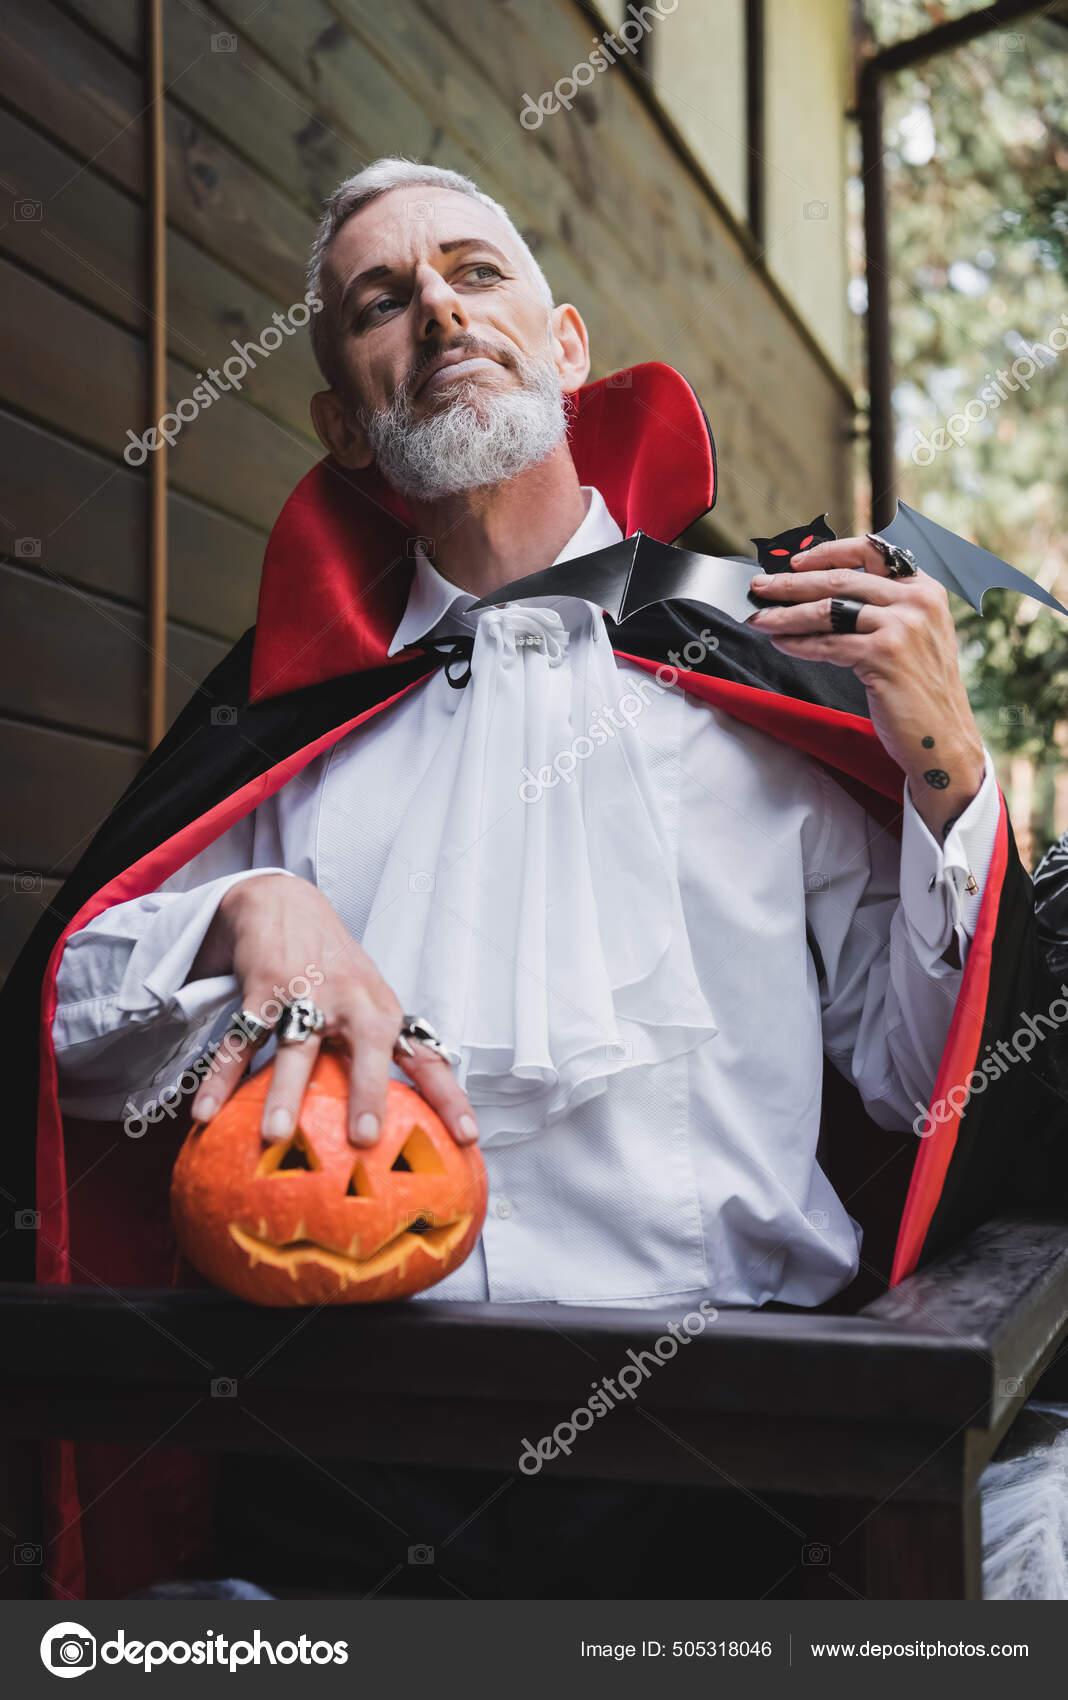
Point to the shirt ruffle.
(529, 906)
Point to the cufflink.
(970, 885)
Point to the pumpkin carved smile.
(348, 1264)
(312, 1220)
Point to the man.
(640, 879)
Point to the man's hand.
(904, 652)
(271, 930)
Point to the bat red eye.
(805, 541)
(779, 551)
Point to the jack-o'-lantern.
(313, 1219)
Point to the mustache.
(469, 345)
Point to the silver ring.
(246, 1025)
(300, 1019)
(845, 612)
(418, 1028)
(900, 563)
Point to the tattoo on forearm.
(937, 778)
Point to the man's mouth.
(452, 368)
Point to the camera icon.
(224, 1387)
(420, 1555)
(68, 1649)
(1014, 714)
(420, 209)
(816, 1218)
(815, 882)
(29, 212)
(1010, 1386)
(224, 42)
(27, 1553)
(1011, 43)
(815, 1552)
(29, 882)
(618, 381)
(27, 548)
(815, 209)
(421, 546)
(27, 1218)
(618, 1050)
(420, 882)
(224, 715)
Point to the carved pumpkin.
(313, 1219)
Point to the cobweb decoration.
(1024, 1505)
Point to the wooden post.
(157, 341)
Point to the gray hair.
(366, 186)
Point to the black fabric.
(738, 653)
(1012, 1147)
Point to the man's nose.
(439, 306)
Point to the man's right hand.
(274, 929)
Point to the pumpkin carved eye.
(419, 1155)
(292, 1153)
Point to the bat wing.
(961, 566)
(601, 577)
(631, 575)
(662, 573)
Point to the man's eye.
(486, 267)
(378, 309)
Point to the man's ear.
(571, 346)
(338, 431)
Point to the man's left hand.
(904, 652)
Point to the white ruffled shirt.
(596, 888)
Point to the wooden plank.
(80, 661)
(240, 95)
(24, 897)
(215, 564)
(66, 366)
(68, 82)
(393, 100)
(191, 656)
(70, 658)
(746, 1363)
(86, 518)
(66, 785)
(92, 240)
(75, 513)
(236, 458)
(74, 87)
(92, 243)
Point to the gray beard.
(480, 438)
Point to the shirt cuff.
(942, 885)
(168, 929)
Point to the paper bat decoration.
(637, 572)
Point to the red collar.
(338, 566)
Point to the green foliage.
(977, 153)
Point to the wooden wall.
(266, 109)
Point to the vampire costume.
(316, 665)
